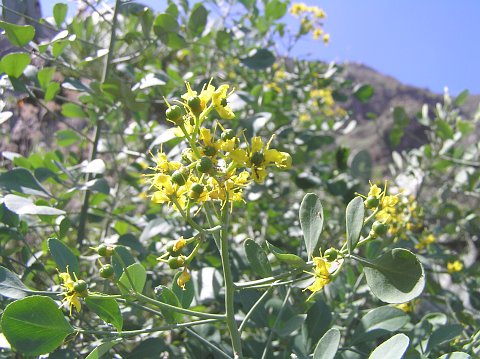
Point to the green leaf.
(22, 180)
(44, 76)
(107, 309)
(395, 277)
(73, 110)
(165, 23)
(378, 322)
(11, 286)
(125, 255)
(461, 98)
(185, 296)
(275, 9)
(311, 221)
(456, 355)
(444, 131)
(354, 217)
(259, 60)
(257, 258)
(102, 349)
(21, 205)
(444, 334)
(400, 122)
(137, 274)
(198, 20)
(288, 258)
(59, 13)
(363, 93)
(66, 137)
(58, 46)
(393, 348)
(313, 328)
(288, 326)
(35, 325)
(361, 166)
(14, 63)
(328, 345)
(166, 295)
(63, 256)
(18, 35)
(52, 89)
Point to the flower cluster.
(217, 165)
(311, 20)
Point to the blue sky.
(425, 43)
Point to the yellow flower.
(167, 191)
(184, 278)
(317, 33)
(163, 165)
(298, 8)
(425, 241)
(453, 267)
(219, 100)
(205, 94)
(211, 147)
(321, 274)
(71, 296)
(326, 38)
(407, 307)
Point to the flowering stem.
(249, 284)
(229, 287)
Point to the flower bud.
(204, 165)
(330, 254)
(180, 176)
(106, 271)
(80, 287)
(176, 262)
(379, 228)
(171, 249)
(257, 158)
(372, 202)
(174, 114)
(195, 105)
(196, 191)
(209, 151)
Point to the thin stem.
(207, 343)
(192, 313)
(98, 129)
(229, 286)
(270, 336)
(242, 285)
(253, 308)
(128, 333)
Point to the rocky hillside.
(374, 118)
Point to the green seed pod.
(228, 134)
(379, 228)
(196, 191)
(372, 202)
(180, 176)
(177, 262)
(80, 287)
(170, 249)
(204, 165)
(257, 158)
(174, 114)
(331, 254)
(102, 250)
(209, 151)
(195, 105)
(106, 271)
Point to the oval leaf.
(444, 334)
(107, 309)
(378, 322)
(18, 35)
(63, 256)
(126, 260)
(102, 349)
(456, 355)
(311, 221)
(166, 295)
(11, 286)
(198, 20)
(185, 296)
(22, 180)
(13, 64)
(35, 325)
(165, 23)
(327, 345)
(395, 277)
(73, 110)
(59, 13)
(354, 218)
(259, 60)
(137, 274)
(257, 258)
(288, 258)
(393, 348)
(22, 205)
